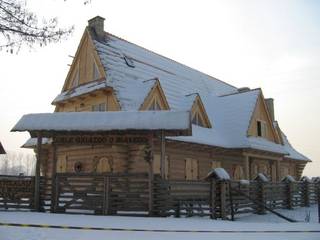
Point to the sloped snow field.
(250, 222)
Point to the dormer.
(199, 115)
(261, 123)
(155, 99)
(86, 65)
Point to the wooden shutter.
(62, 164)
(156, 163)
(167, 166)
(104, 165)
(188, 169)
(195, 169)
(238, 173)
(274, 172)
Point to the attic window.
(261, 128)
(155, 105)
(197, 120)
(129, 61)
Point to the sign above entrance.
(91, 140)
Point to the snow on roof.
(105, 121)
(78, 91)
(32, 142)
(231, 116)
(177, 80)
(293, 154)
(262, 177)
(228, 110)
(288, 178)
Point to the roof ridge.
(107, 33)
(230, 94)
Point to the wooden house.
(233, 128)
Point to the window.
(197, 120)
(95, 71)
(157, 165)
(261, 128)
(155, 106)
(191, 169)
(99, 107)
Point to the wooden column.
(37, 174)
(150, 176)
(246, 167)
(53, 176)
(278, 171)
(163, 155)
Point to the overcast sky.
(274, 45)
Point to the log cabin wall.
(93, 159)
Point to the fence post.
(262, 197)
(56, 194)
(106, 195)
(290, 186)
(306, 193)
(223, 199)
(213, 199)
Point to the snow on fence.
(142, 194)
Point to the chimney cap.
(94, 19)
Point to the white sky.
(274, 45)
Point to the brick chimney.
(96, 25)
(270, 106)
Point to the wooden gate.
(102, 193)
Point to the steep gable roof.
(177, 80)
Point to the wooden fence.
(139, 194)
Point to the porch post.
(246, 167)
(53, 177)
(163, 155)
(278, 171)
(150, 176)
(37, 174)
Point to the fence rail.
(140, 194)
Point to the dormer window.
(99, 107)
(155, 106)
(197, 120)
(261, 128)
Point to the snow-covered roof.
(32, 142)
(81, 90)
(105, 121)
(292, 153)
(229, 111)
(177, 80)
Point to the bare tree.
(20, 26)
(15, 163)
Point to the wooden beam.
(53, 176)
(163, 155)
(246, 167)
(37, 174)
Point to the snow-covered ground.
(252, 222)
